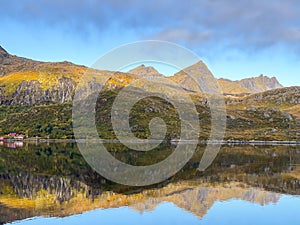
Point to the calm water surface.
(52, 184)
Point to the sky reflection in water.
(234, 211)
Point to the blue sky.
(236, 39)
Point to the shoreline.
(214, 142)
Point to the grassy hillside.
(245, 121)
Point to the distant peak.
(198, 65)
(3, 52)
(143, 70)
(199, 62)
(142, 66)
(260, 83)
(265, 76)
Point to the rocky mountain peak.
(3, 52)
(190, 77)
(199, 63)
(197, 67)
(145, 71)
(260, 83)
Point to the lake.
(50, 183)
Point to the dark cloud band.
(253, 23)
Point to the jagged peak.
(142, 66)
(266, 76)
(143, 70)
(261, 76)
(3, 52)
(199, 64)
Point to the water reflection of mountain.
(53, 180)
(54, 196)
(198, 200)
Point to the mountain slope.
(200, 72)
(230, 87)
(10, 63)
(52, 82)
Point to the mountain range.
(245, 86)
(28, 86)
(17, 70)
(250, 85)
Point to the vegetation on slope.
(244, 121)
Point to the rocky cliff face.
(27, 82)
(31, 93)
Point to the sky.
(236, 39)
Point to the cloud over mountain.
(251, 24)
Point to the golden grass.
(294, 110)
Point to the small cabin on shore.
(12, 135)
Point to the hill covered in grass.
(36, 99)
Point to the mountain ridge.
(250, 85)
(12, 64)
